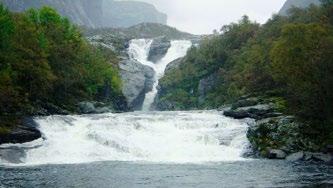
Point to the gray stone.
(296, 156)
(206, 85)
(245, 102)
(276, 154)
(87, 107)
(137, 80)
(103, 110)
(12, 155)
(158, 49)
(256, 112)
(173, 65)
(22, 133)
(322, 157)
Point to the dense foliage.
(46, 65)
(289, 58)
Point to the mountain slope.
(296, 3)
(96, 13)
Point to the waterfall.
(139, 50)
(166, 137)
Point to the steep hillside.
(97, 13)
(296, 3)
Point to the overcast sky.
(203, 16)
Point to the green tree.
(302, 60)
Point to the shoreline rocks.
(309, 156)
(251, 108)
(275, 135)
(27, 131)
(94, 108)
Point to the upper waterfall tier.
(139, 50)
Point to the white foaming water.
(139, 50)
(176, 137)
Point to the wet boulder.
(94, 108)
(86, 107)
(12, 155)
(27, 131)
(320, 157)
(299, 156)
(257, 112)
(276, 154)
(137, 80)
(158, 49)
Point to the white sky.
(203, 16)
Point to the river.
(150, 149)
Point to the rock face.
(137, 79)
(296, 3)
(129, 13)
(21, 133)
(173, 65)
(205, 85)
(158, 49)
(96, 13)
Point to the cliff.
(296, 3)
(97, 13)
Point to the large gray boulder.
(94, 107)
(259, 111)
(12, 155)
(137, 80)
(276, 154)
(158, 49)
(27, 131)
(295, 156)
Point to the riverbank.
(277, 135)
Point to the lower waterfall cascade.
(166, 137)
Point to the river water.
(150, 149)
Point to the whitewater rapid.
(139, 50)
(158, 137)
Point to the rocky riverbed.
(275, 134)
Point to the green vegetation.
(46, 66)
(288, 59)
